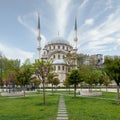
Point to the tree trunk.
(69, 89)
(24, 90)
(106, 88)
(44, 91)
(90, 88)
(100, 87)
(118, 97)
(52, 89)
(74, 90)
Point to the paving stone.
(62, 113)
(62, 118)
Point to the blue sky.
(98, 25)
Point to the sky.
(98, 25)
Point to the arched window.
(50, 47)
(58, 67)
(58, 47)
(62, 67)
(54, 67)
(54, 56)
(58, 56)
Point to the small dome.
(59, 40)
(59, 61)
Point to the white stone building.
(56, 50)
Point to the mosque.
(56, 50)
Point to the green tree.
(75, 60)
(107, 81)
(56, 81)
(23, 76)
(91, 78)
(12, 81)
(100, 78)
(50, 79)
(67, 83)
(35, 81)
(42, 69)
(75, 78)
(112, 69)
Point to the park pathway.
(62, 112)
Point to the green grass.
(110, 95)
(29, 108)
(82, 108)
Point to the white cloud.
(25, 21)
(89, 21)
(84, 3)
(15, 53)
(104, 37)
(109, 4)
(61, 9)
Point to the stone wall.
(12, 94)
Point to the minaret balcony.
(39, 38)
(39, 48)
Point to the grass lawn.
(82, 108)
(29, 108)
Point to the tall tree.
(112, 68)
(75, 78)
(42, 69)
(75, 60)
(23, 75)
(107, 81)
(12, 80)
(50, 79)
(66, 82)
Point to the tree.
(42, 69)
(107, 81)
(35, 81)
(50, 79)
(100, 78)
(56, 81)
(91, 78)
(23, 76)
(66, 82)
(12, 80)
(74, 79)
(112, 69)
(75, 60)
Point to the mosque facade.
(56, 50)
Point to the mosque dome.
(59, 61)
(58, 40)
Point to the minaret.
(39, 38)
(75, 34)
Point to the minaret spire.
(39, 37)
(75, 34)
(38, 21)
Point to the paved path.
(62, 112)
